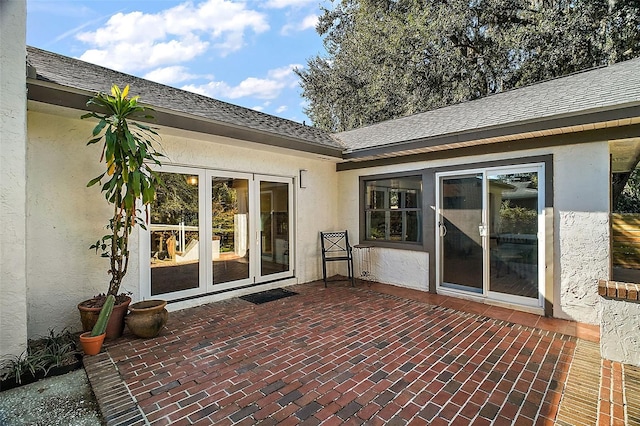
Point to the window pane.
(274, 227)
(395, 226)
(175, 249)
(513, 223)
(377, 229)
(414, 226)
(230, 229)
(412, 199)
(375, 198)
(387, 204)
(394, 198)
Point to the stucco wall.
(65, 217)
(580, 217)
(13, 303)
(619, 334)
(404, 268)
(582, 249)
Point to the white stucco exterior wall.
(619, 334)
(64, 217)
(13, 130)
(582, 247)
(581, 225)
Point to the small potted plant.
(128, 183)
(91, 341)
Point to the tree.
(627, 198)
(128, 149)
(390, 58)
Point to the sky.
(242, 52)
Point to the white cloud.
(281, 109)
(262, 88)
(309, 22)
(170, 75)
(138, 41)
(144, 55)
(281, 4)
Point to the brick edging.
(117, 405)
(619, 290)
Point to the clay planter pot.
(91, 345)
(147, 318)
(115, 326)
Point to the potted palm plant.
(128, 183)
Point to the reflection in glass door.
(175, 234)
(275, 227)
(489, 230)
(229, 229)
(461, 247)
(513, 207)
(213, 231)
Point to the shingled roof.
(76, 74)
(597, 95)
(602, 97)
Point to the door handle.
(442, 228)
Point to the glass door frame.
(205, 224)
(145, 241)
(259, 277)
(486, 292)
(210, 174)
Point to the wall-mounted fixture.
(303, 178)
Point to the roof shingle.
(595, 90)
(77, 74)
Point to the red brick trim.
(618, 290)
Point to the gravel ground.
(62, 400)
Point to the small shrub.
(41, 355)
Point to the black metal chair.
(336, 248)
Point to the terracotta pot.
(147, 318)
(91, 345)
(115, 326)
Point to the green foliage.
(128, 149)
(517, 220)
(629, 199)
(390, 58)
(42, 354)
(105, 312)
(176, 200)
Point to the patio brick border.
(117, 405)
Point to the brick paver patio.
(373, 354)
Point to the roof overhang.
(55, 94)
(622, 123)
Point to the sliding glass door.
(244, 219)
(514, 223)
(490, 225)
(462, 246)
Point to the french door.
(212, 231)
(490, 233)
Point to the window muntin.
(393, 209)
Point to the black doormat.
(268, 296)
